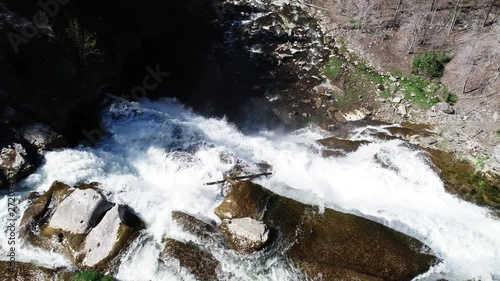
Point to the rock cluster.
(80, 223)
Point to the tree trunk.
(488, 13)
(400, 2)
(433, 5)
(455, 15)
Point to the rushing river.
(156, 157)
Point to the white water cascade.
(157, 156)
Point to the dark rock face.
(344, 145)
(331, 243)
(197, 261)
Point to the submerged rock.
(333, 243)
(194, 225)
(345, 145)
(245, 234)
(190, 256)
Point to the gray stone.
(445, 107)
(14, 162)
(494, 161)
(245, 234)
(79, 212)
(109, 236)
(42, 136)
(402, 110)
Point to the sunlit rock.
(245, 234)
(79, 212)
(110, 235)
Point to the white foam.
(160, 154)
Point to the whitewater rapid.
(157, 155)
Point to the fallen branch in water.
(239, 178)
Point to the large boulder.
(245, 234)
(193, 258)
(15, 163)
(332, 243)
(105, 241)
(80, 223)
(42, 136)
(79, 212)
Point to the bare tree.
(416, 29)
(398, 9)
(472, 60)
(487, 15)
(455, 15)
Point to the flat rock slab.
(79, 212)
(246, 234)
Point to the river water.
(157, 156)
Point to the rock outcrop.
(80, 223)
(335, 245)
(246, 234)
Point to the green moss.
(92, 276)
(481, 162)
(498, 133)
(355, 23)
(419, 91)
(430, 64)
(333, 68)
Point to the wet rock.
(110, 236)
(339, 242)
(190, 256)
(384, 159)
(246, 234)
(15, 163)
(42, 136)
(81, 224)
(317, 271)
(194, 225)
(445, 107)
(461, 178)
(339, 117)
(79, 212)
(241, 202)
(19, 271)
(345, 145)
